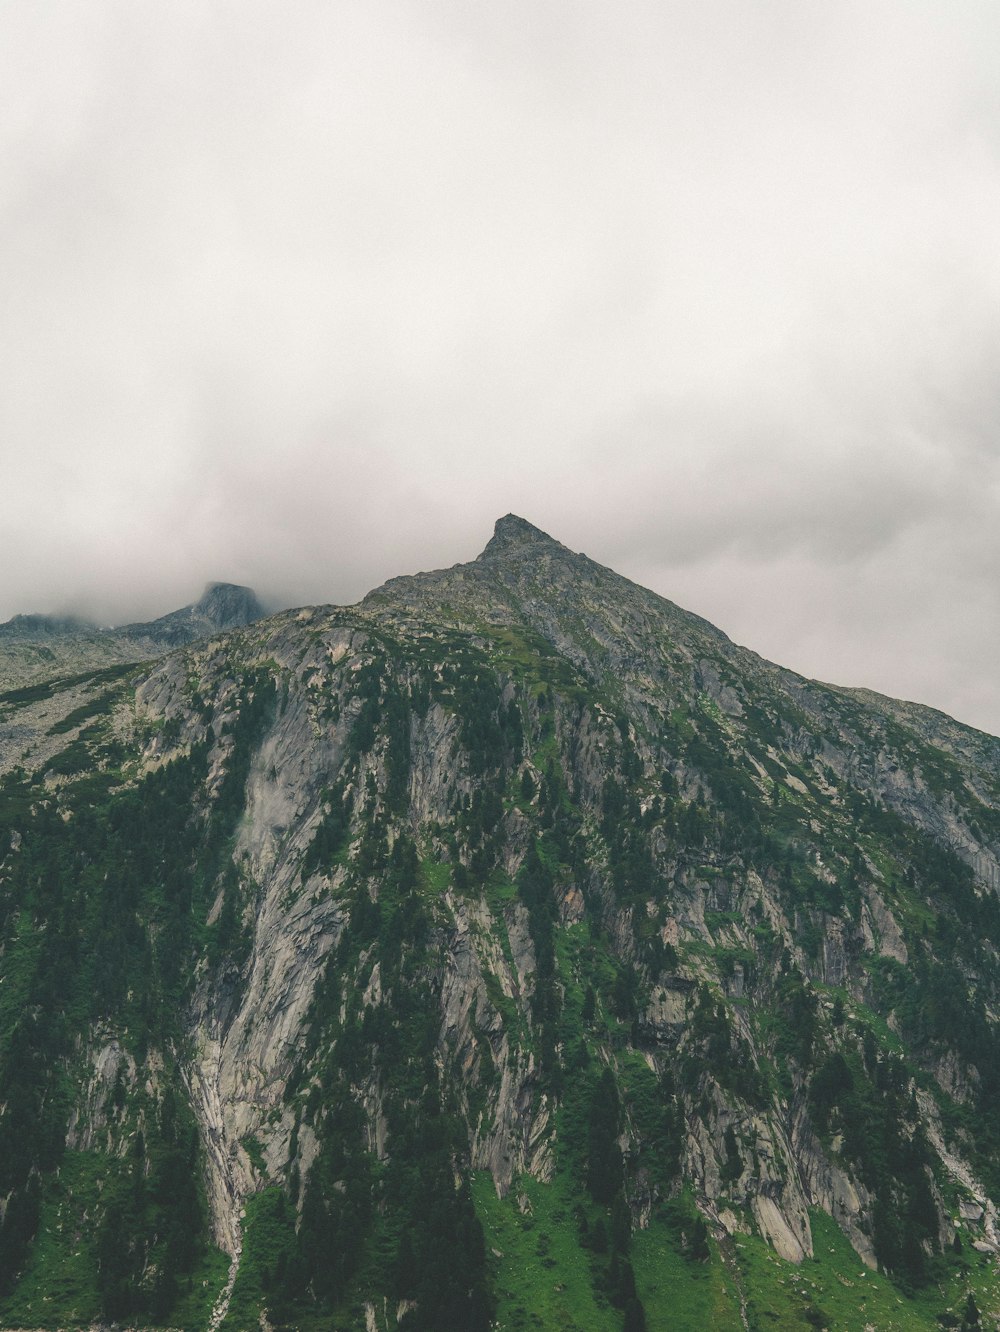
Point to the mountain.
(42, 647)
(221, 606)
(510, 948)
(33, 627)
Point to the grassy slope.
(58, 1287)
(543, 1277)
(546, 1280)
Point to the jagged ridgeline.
(510, 949)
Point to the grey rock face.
(221, 606)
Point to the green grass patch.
(500, 889)
(199, 1292)
(58, 1284)
(435, 877)
(543, 1277)
(268, 1243)
(836, 1291)
(678, 1293)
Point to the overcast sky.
(305, 296)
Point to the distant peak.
(214, 590)
(228, 605)
(512, 534)
(44, 626)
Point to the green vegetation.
(834, 1289)
(49, 688)
(102, 915)
(543, 1275)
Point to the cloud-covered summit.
(304, 298)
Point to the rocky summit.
(510, 949)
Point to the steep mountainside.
(511, 947)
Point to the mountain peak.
(220, 607)
(512, 534)
(228, 605)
